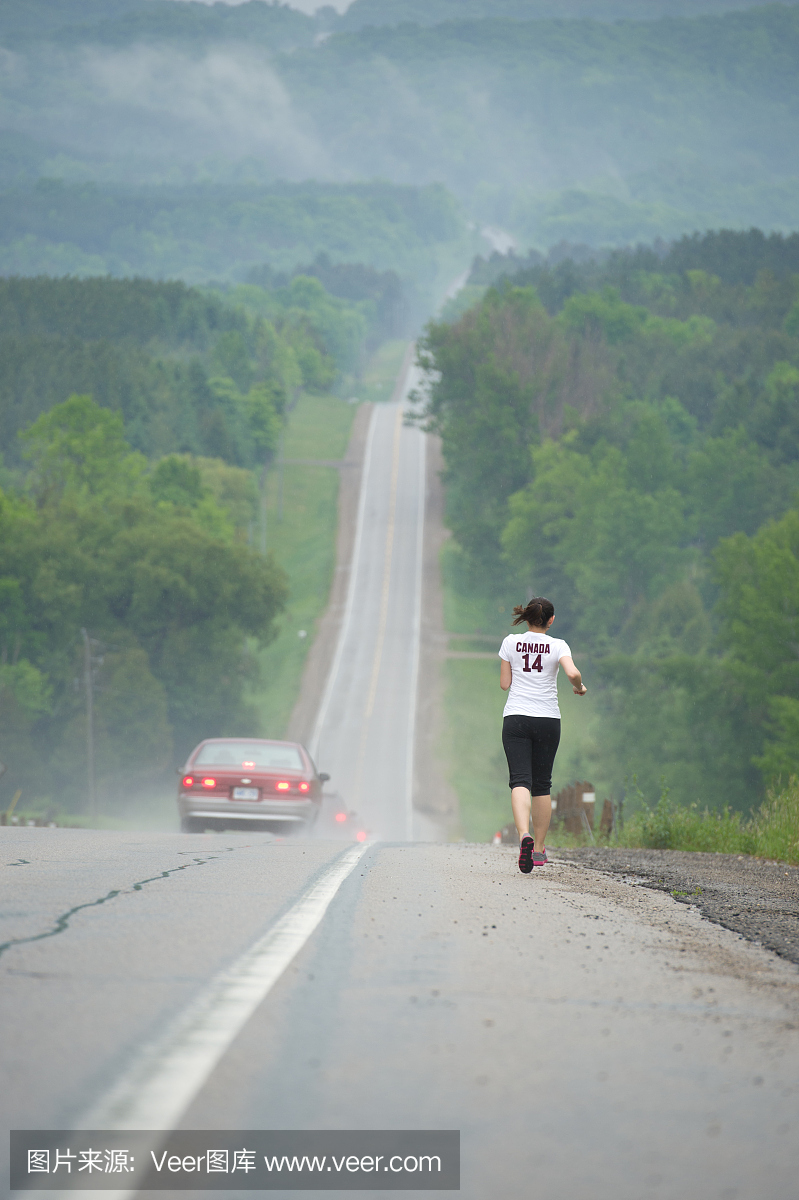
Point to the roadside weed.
(772, 832)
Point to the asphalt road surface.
(365, 728)
(589, 1038)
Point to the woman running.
(531, 725)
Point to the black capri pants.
(530, 745)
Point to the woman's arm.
(574, 676)
(505, 674)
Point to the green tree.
(759, 606)
(264, 405)
(645, 415)
(154, 568)
(779, 761)
(493, 384)
(581, 532)
(79, 446)
(603, 316)
(759, 602)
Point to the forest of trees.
(151, 561)
(135, 418)
(224, 233)
(203, 372)
(390, 304)
(623, 436)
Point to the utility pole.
(89, 686)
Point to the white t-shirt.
(534, 660)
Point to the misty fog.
(344, 346)
(321, 183)
(596, 132)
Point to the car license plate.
(245, 793)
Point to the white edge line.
(327, 695)
(155, 1091)
(417, 628)
(160, 1085)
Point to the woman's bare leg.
(542, 815)
(522, 804)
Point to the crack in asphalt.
(62, 923)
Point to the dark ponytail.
(535, 612)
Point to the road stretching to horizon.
(364, 732)
(590, 1038)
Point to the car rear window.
(271, 756)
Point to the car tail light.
(282, 786)
(304, 787)
(248, 764)
(341, 817)
(188, 781)
(360, 836)
(209, 783)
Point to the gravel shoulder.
(756, 898)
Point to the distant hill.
(222, 233)
(433, 12)
(602, 132)
(578, 130)
(44, 16)
(119, 22)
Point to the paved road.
(365, 729)
(589, 1038)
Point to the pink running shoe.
(526, 855)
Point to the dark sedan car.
(231, 781)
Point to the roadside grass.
(771, 832)
(776, 825)
(380, 373)
(303, 540)
(476, 762)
